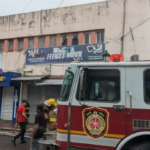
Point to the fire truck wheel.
(140, 146)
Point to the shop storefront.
(9, 95)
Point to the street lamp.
(106, 56)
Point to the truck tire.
(139, 146)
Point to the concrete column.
(24, 90)
(47, 41)
(43, 89)
(25, 44)
(93, 37)
(5, 45)
(35, 42)
(81, 38)
(15, 45)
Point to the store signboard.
(90, 52)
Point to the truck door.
(138, 98)
(98, 114)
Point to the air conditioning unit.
(135, 58)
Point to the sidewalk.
(9, 126)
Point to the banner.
(91, 52)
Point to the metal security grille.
(75, 39)
(41, 42)
(34, 96)
(10, 47)
(141, 124)
(87, 38)
(31, 42)
(52, 91)
(64, 40)
(100, 37)
(53, 40)
(20, 44)
(1, 46)
(7, 104)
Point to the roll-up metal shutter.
(52, 91)
(34, 96)
(7, 104)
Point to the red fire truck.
(105, 106)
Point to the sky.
(9, 7)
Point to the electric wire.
(143, 22)
(25, 7)
(62, 1)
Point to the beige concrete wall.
(102, 15)
(15, 61)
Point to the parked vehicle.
(105, 106)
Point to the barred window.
(20, 44)
(10, 47)
(53, 40)
(100, 37)
(75, 39)
(41, 42)
(86, 38)
(1, 45)
(64, 40)
(31, 42)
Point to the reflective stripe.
(52, 119)
(83, 133)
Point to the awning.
(50, 82)
(28, 78)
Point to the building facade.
(120, 28)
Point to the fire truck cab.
(105, 106)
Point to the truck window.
(147, 85)
(66, 86)
(101, 86)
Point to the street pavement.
(5, 144)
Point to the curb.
(13, 129)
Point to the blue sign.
(8, 76)
(90, 52)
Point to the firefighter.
(50, 106)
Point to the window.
(75, 39)
(64, 40)
(147, 85)
(10, 47)
(20, 44)
(53, 40)
(66, 87)
(41, 42)
(1, 46)
(100, 37)
(31, 42)
(87, 38)
(101, 86)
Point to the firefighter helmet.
(50, 102)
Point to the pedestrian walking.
(39, 129)
(50, 106)
(21, 120)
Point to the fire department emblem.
(95, 122)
